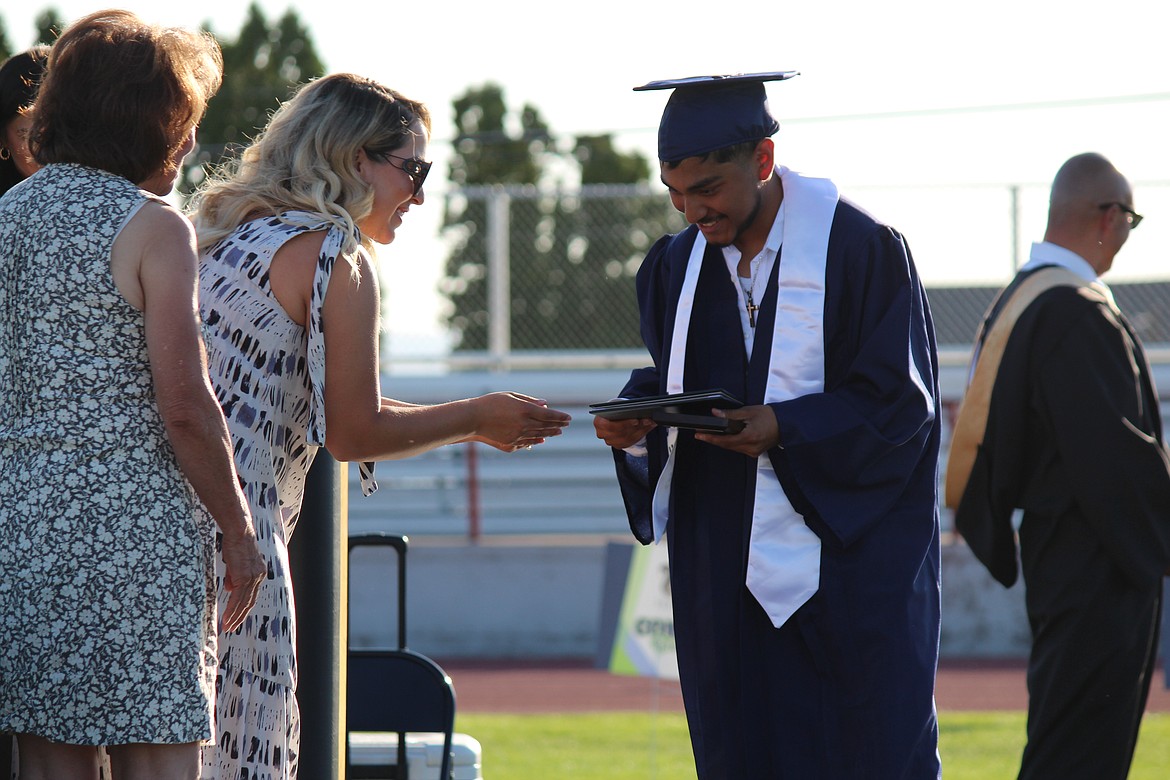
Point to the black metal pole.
(318, 560)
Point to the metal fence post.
(1014, 190)
(318, 562)
(473, 518)
(499, 281)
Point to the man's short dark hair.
(726, 154)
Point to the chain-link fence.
(539, 271)
(546, 278)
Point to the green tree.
(49, 26)
(484, 153)
(262, 66)
(572, 256)
(601, 163)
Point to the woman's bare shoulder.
(305, 245)
(158, 221)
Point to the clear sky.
(882, 105)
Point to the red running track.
(575, 686)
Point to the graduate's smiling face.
(723, 198)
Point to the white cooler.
(373, 754)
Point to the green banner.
(644, 641)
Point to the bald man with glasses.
(1061, 420)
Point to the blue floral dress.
(269, 375)
(107, 600)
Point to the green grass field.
(649, 746)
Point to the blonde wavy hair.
(306, 160)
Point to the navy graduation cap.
(706, 113)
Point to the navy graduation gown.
(844, 688)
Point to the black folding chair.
(398, 690)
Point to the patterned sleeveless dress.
(269, 375)
(107, 600)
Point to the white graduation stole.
(784, 555)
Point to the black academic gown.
(1074, 438)
(844, 689)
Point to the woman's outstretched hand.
(511, 421)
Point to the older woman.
(289, 295)
(19, 76)
(115, 461)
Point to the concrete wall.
(543, 598)
(487, 600)
(980, 617)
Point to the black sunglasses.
(414, 167)
(1131, 216)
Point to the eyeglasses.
(416, 168)
(1131, 216)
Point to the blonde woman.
(290, 301)
(115, 460)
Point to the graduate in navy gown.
(804, 549)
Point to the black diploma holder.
(678, 410)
